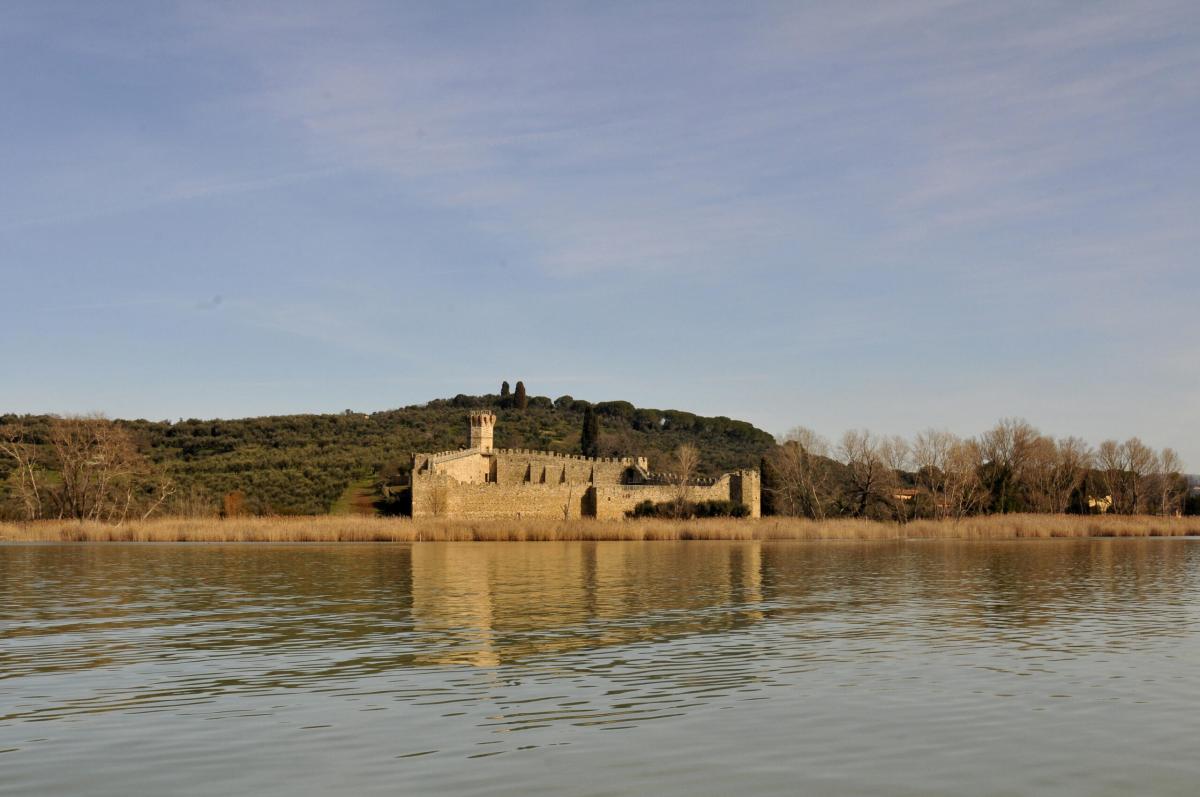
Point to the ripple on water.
(1060, 667)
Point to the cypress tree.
(504, 390)
(520, 400)
(767, 482)
(589, 439)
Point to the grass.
(357, 499)
(352, 528)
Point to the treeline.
(84, 468)
(303, 464)
(1012, 467)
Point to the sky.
(892, 215)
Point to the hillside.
(303, 464)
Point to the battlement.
(483, 424)
(446, 456)
(532, 452)
(664, 478)
(481, 481)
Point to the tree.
(504, 391)
(1140, 462)
(233, 504)
(1006, 450)
(1112, 479)
(1170, 485)
(102, 475)
(870, 480)
(24, 457)
(589, 439)
(684, 465)
(520, 400)
(1074, 458)
(1126, 472)
(931, 454)
(437, 500)
(797, 475)
(964, 489)
(895, 453)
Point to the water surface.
(918, 668)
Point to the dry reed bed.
(372, 529)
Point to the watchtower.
(483, 423)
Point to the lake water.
(693, 668)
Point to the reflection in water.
(924, 667)
(467, 602)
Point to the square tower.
(483, 422)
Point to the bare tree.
(1006, 450)
(1140, 462)
(1110, 462)
(98, 465)
(1127, 470)
(163, 488)
(1074, 458)
(1169, 482)
(685, 462)
(931, 453)
(1038, 475)
(896, 455)
(800, 474)
(437, 500)
(869, 479)
(24, 457)
(965, 493)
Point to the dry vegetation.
(374, 529)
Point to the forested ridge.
(94, 468)
(303, 464)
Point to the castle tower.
(482, 424)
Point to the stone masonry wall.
(519, 483)
(614, 500)
(439, 496)
(520, 466)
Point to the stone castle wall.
(440, 497)
(517, 483)
(520, 466)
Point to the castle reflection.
(373, 609)
(491, 603)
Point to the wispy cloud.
(937, 117)
(793, 190)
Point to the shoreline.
(349, 528)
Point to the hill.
(308, 464)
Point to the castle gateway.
(483, 482)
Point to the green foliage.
(671, 509)
(720, 508)
(645, 508)
(589, 438)
(520, 400)
(303, 464)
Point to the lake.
(1048, 667)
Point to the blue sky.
(884, 214)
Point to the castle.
(483, 482)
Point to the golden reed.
(348, 528)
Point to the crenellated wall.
(439, 496)
(614, 500)
(521, 466)
(479, 483)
